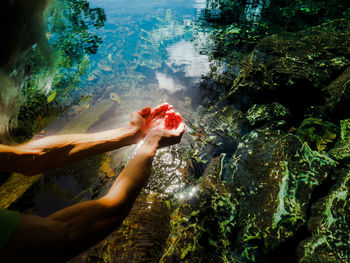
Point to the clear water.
(152, 52)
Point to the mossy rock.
(341, 150)
(202, 227)
(274, 177)
(273, 114)
(329, 226)
(295, 69)
(319, 134)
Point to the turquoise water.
(152, 52)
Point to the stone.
(329, 226)
(15, 187)
(274, 177)
(273, 113)
(341, 151)
(295, 69)
(319, 134)
(203, 224)
(338, 93)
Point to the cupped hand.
(145, 119)
(168, 132)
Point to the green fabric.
(8, 224)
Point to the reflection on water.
(168, 83)
(185, 56)
(149, 55)
(254, 8)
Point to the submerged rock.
(273, 114)
(82, 122)
(203, 225)
(338, 94)
(15, 187)
(341, 150)
(319, 134)
(274, 176)
(295, 69)
(217, 131)
(329, 226)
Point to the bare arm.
(48, 153)
(72, 230)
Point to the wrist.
(135, 134)
(150, 144)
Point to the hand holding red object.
(145, 119)
(168, 132)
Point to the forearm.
(131, 180)
(48, 153)
(89, 222)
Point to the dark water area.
(262, 171)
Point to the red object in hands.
(172, 120)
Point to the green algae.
(341, 151)
(266, 113)
(15, 187)
(329, 226)
(345, 130)
(274, 176)
(202, 227)
(286, 68)
(318, 133)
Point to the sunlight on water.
(151, 52)
(188, 193)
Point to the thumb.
(145, 111)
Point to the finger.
(166, 121)
(171, 113)
(164, 105)
(178, 117)
(145, 111)
(133, 115)
(159, 108)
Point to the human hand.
(168, 131)
(145, 119)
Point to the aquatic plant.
(203, 225)
(317, 133)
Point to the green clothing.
(8, 224)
